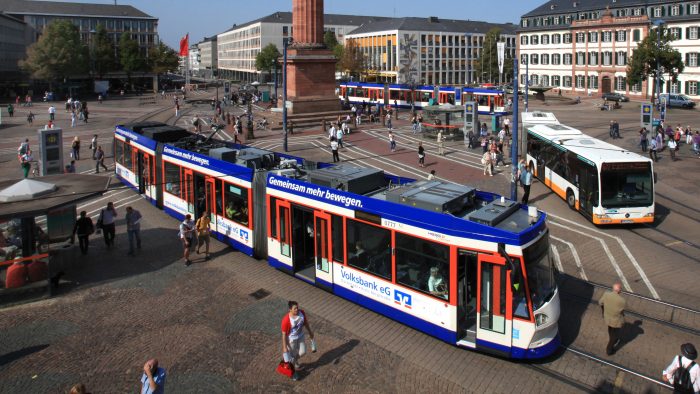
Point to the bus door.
(588, 190)
(467, 263)
(210, 193)
(322, 249)
(494, 319)
(189, 190)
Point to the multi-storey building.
(427, 50)
(13, 44)
(194, 57)
(238, 47)
(117, 19)
(207, 57)
(583, 47)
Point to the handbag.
(98, 225)
(286, 369)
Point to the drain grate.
(260, 294)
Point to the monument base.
(305, 105)
(311, 79)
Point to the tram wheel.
(571, 199)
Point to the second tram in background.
(605, 183)
(465, 266)
(491, 101)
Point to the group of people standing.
(106, 224)
(670, 138)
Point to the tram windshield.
(540, 272)
(626, 185)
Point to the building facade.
(428, 51)
(238, 47)
(14, 37)
(583, 47)
(208, 57)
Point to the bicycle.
(262, 124)
(35, 172)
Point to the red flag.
(184, 45)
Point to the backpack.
(681, 378)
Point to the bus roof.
(588, 147)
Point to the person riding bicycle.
(262, 124)
(26, 160)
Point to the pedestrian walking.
(133, 229)
(93, 146)
(683, 372)
(25, 161)
(72, 119)
(203, 227)
(396, 109)
(83, 228)
(421, 154)
(85, 112)
(487, 161)
(153, 378)
(506, 126)
(653, 146)
(30, 118)
(392, 142)
(293, 339)
(414, 123)
(339, 137)
(613, 306)
(52, 113)
(526, 181)
(10, 110)
(75, 148)
(440, 143)
(388, 121)
(187, 230)
(611, 129)
(107, 222)
(99, 160)
(420, 122)
(672, 146)
(334, 149)
(643, 139)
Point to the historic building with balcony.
(583, 47)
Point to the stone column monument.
(310, 65)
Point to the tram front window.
(626, 185)
(540, 272)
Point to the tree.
(330, 40)
(162, 58)
(642, 64)
(352, 60)
(267, 58)
(57, 54)
(130, 56)
(486, 66)
(103, 52)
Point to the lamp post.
(527, 83)
(284, 95)
(514, 144)
(658, 23)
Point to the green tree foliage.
(103, 52)
(338, 51)
(352, 60)
(330, 40)
(130, 56)
(162, 58)
(642, 63)
(58, 54)
(486, 66)
(266, 59)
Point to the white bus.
(605, 183)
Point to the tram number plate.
(626, 221)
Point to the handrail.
(34, 257)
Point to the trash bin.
(495, 123)
(265, 97)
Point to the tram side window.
(219, 197)
(369, 248)
(172, 178)
(236, 199)
(273, 217)
(119, 152)
(423, 265)
(338, 235)
(128, 163)
(520, 308)
(394, 95)
(425, 96)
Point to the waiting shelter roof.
(26, 189)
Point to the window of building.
(607, 58)
(593, 82)
(621, 35)
(566, 81)
(580, 58)
(675, 32)
(556, 80)
(534, 40)
(675, 10)
(534, 58)
(693, 9)
(534, 80)
(567, 38)
(657, 12)
(638, 11)
(544, 80)
(691, 59)
(556, 38)
(580, 81)
(567, 59)
(544, 59)
(692, 33)
(544, 39)
(523, 40)
(523, 79)
(423, 265)
(523, 58)
(556, 59)
(636, 35)
(637, 87)
(621, 58)
(592, 58)
(593, 36)
(369, 248)
(675, 87)
(580, 38)
(691, 88)
(607, 36)
(620, 83)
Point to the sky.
(205, 18)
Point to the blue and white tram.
(464, 266)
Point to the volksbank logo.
(402, 298)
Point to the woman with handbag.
(293, 346)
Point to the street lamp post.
(658, 23)
(527, 83)
(284, 96)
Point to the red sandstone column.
(307, 21)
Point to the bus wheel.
(570, 199)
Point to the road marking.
(676, 242)
(574, 253)
(636, 265)
(557, 259)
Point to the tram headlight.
(540, 319)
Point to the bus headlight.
(649, 215)
(540, 319)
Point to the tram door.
(189, 191)
(467, 263)
(494, 318)
(322, 249)
(210, 193)
(303, 241)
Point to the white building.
(583, 47)
(194, 60)
(238, 47)
(208, 57)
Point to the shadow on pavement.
(18, 354)
(332, 356)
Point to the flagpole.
(187, 64)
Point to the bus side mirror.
(656, 177)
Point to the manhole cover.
(260, 294)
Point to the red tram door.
(188, 187)
(322, 249)
(211, 206)
(284, 228)
(494, 305)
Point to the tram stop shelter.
(37, 216)
(446, 117)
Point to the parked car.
(677, 100)
(615, 97)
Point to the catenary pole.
(514, 159)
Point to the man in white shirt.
(687, 359)
(52, 113)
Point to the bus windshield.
(626, 185)
(540, 272)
